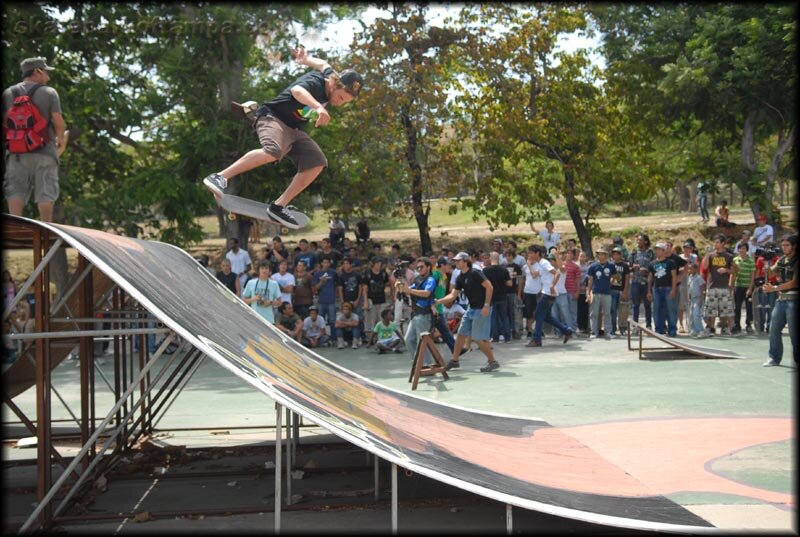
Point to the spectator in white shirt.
(240, 260)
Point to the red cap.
(762, 217)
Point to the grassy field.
(458, 231)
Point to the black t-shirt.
(349, 282)
(376, 286)
(471, 282)
(618, 279)
(678, 261)
(786, 268)
(229, 281)
(662, 272)
(291, 111)
(498, 275)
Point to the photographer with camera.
(262, 293)
(421, 294)
(762, 310)
(785, 311)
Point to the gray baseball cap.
(462, 256)
(29, 64)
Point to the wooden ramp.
(674, 343)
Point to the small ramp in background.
(674, 343)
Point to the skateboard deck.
(246, 110)
(237, 205)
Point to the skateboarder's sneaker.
(216, 184)
(282, 215)
(771, 363)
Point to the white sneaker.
(340, 345)
(356, 345)
(770, 363)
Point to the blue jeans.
(639, 296)
(328, 311)
(355, 332)
(766, 303)
(702, 202)
(416, 326)
(572, 304)
(614, 308)
(561, 312)
(440, 323)
(500, 324)
(665, 311)
(784, 313)
(696, 314)
(511, 312)
(543, 314)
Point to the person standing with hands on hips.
(476, 322)
(785, 310)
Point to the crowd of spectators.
(361, 294)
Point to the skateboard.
(239, 206)
(246, 110)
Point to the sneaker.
(491, 366)
(340, 345)
(356, 345)
(216, 184)
(724, 332)
(771, 363)
(533, 343)
(708, 333)
(282, 215)
(607, 336)
(696, 335)
(397, 351)
(749, 329)
(452, 364)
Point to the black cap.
(352, 81)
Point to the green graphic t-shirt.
(385, 331)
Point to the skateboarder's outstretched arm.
(302, 58)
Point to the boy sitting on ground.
(387, 334)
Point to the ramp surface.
(523, 462)
(682, 345)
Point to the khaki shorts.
(278, 140)
(718, 303)
(29, 170)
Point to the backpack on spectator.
(26, 128)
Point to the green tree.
(150, 86)
(394, 142)
(541, 121)
(731, 67)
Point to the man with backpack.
(33, 129)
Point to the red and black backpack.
(26, 128)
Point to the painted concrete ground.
(716, 436)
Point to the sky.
(338, 36)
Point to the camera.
(767, 252)
(400, 269)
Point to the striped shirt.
(746, 268)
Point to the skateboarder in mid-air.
(279, 126)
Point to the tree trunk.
(683, 196)
(420, 214)
(584, 235)
(59, 269)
